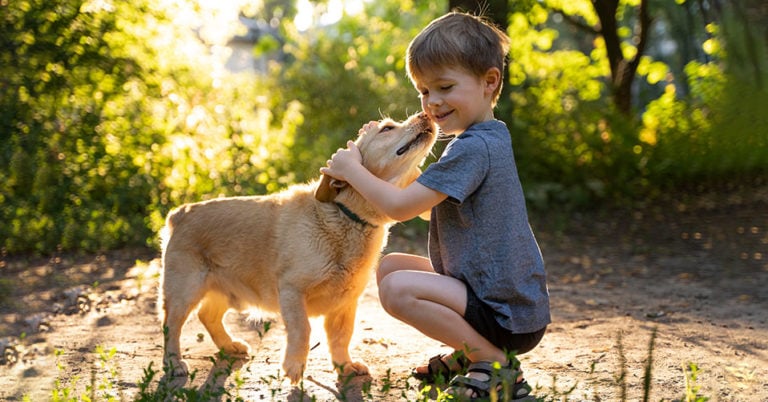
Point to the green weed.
(691, 388)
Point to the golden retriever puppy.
(306, 251)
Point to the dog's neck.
(353, 216)
(356, 208)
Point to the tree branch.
(575, 22)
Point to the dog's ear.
(328, 188)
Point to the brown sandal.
(440, 372)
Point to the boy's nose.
(434, 101)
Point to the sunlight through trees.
(111, 113)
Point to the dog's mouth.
(423, 136)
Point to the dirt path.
(695, 274)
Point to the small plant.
(167, 390)
(691, 388)
(107, 385)
(266, 325)
(62, 390)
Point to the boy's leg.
(402, 262)
(435, 305)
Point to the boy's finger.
(353, 147)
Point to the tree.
(612, 15)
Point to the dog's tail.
(165, 237)
(173, 220)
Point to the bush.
(110, 115)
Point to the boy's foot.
(442, 367)
(482, 379)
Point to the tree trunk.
(623, 70)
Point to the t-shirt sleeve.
(460, 170)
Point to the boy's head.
(458, 40)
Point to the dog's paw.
(293, 370)
(176, 367)
(352, 368)
(236, 347)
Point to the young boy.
(483, 288)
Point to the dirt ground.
(693, 269)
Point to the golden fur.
(295, 252)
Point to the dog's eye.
(386, 128)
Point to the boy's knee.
(390, 295)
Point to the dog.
(306, 251)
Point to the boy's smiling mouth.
(442, 116)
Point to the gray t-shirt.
(480, 234)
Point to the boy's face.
(455, 99)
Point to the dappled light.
(640, 135)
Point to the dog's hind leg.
(211, 314)
(182, 292)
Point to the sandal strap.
(460, 359)
(481, 367)
(437, 365)
(480, 388)
(520, 390)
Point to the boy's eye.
(446, 87)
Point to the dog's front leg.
(294, 312)
(339, 326)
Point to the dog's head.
(392, 151)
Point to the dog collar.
(353, 215)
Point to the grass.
(160, 385)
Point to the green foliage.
(571, 145)
(338, 77)
(59, 76)
(700, 122)
(112, 113)
(101, 135)
(718, 130)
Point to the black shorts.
(482, 318)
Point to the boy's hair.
(458, 40)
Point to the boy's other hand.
(342, 161)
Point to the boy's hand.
(342, 161)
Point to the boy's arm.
(398, 204)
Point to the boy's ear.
(492, 79)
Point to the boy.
(483, 288)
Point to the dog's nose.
(424, 122)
